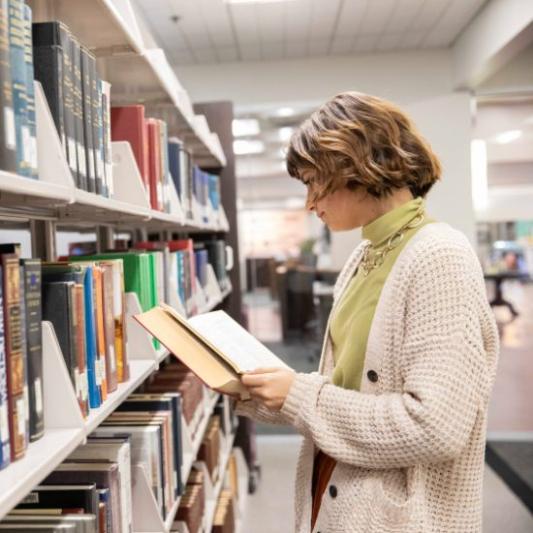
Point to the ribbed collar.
(381, 229)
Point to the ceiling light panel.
(248, 147)
(242, 127)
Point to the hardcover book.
(8, 139)
(77, 496)
(5, 447)
(15, 357)
(86, 59)
(213, 345)
(31, 146)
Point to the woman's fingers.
(253, 380)
(261, 370)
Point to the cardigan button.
(333, 491)
(372, 375)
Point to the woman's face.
(342, 210)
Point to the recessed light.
(285, 112)
(245, 126)
(244, 147)
(508, 136)
(285, 133)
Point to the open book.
(213, 345)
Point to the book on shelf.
(31, 143)
(192, 507)
(8, 138)
(80, 523)
(15, 356)
(86, 60)
(5, 444)
(103, 474)
(66, 497)
(109, 186)
(154, 164)
(213, 345)
(104, 511)
(115, 450)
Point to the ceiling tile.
(376, 16)
(430, 13)
(227, 54)
(350, 17)
(296, 49)
(341, 45)
(297, 20)
(403, 15)
(365, 43)
(323, 18)
(389, 41)
(245, 23)
(215, 15)
(411, 39)
(318, 47)
(250, 52)
(205, 55)
(273, 51)
(270, 18)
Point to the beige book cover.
(213, 345)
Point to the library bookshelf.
(139, 73)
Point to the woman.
(394, 421)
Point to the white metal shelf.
(139, 371)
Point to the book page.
(234, 341)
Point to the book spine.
(16, 371)
(32, 287)
(18, 81)
(96, 126)
(100, 332)
(109, 327)
(165, 174)
(108, 156)
(5, 447)
(77, 97)
(24, 348)
(8, 139)
(31, 147)
(68, 103)
(95, 398)
(82, 386)
(87, 117)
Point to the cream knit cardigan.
(409, 446)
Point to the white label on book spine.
(21, 429)
(4, 426)
(77, 386)
(72, 153)
(26, 144)
(98, 371)
(26, 403)
(9, 128)
(113, 359)
(38, 390)
(34, 161)
(84, 386)
(81, 160)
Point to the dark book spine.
(18, 82)
(32, 287)
(81, 383)
(5, 449)
(16, 371)
(8, 138)
(68, 103)
(30, 95)
(77, 95)
(86, 91)
(48, 66)
(57, 304)
(96, 115)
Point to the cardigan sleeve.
(258, 412)
(448, 336)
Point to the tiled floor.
(270, 509)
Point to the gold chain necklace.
(375, 258)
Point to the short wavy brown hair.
(357, 140)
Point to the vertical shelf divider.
(146, 517)
(140, 345)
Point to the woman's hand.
(270, 386)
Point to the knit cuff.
(303, 395)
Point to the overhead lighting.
(480, 188)
(508, 136)
(245, 126)
(284, 134)
(256, 1)
(285, 112)
(244, 147)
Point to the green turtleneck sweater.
(352, 317)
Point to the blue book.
(180, 257)
(214, 191)
(174, 165)
(5, 449)
(200, 257)
(95, 397)
(18, 81)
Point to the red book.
(15, 356)
(154, 164)
(128, 124)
